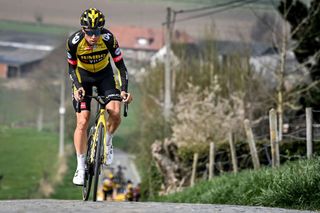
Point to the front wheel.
(88, 171)
(97, 163)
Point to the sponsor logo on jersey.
(69, 55)
(76, 38)
(92, 59)
(106, 36)
(117, 51)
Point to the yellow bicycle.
(96, 156)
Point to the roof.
(143, 38)
(235, 47)
(18, 48)
(132, 37)
(19, 56)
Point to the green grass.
(34, 28)
(294, 185)
(66, 190)
(10, 107)
(20, 108)
(126, 135)
(25, 157)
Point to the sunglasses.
(96, 32)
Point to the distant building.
(141, 44)
(21, 52)
(263, 58)
(137, 43)
(17, 62)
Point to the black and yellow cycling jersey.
(86, 60)
(108, 184)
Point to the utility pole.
(62, 111)
(167, 73)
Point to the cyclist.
(129, 191)
(89, 51)
(108, 187)
(137, 193)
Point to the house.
(17, 62)
(21, 52)
(264, 59)
(137, 43)
(140, 44)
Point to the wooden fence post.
(194, 168)
(211, 160)
(252, 145)
(233, 153)
(274, 138)
(309, 131)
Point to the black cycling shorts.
(104, 82)
(108, 193)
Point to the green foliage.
(128, 132)
(293, 185)
(11, 111)
(26, 156)
(151, 181)
(186, 153)
(67, 190)
(226, 84)
(34, 28)
(151, 128)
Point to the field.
(26, 156)
(229, 23)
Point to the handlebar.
(103, 100)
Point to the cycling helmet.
(92, 18)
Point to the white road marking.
(27, 46)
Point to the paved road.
(54, 206)
(127, 163)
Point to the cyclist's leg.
(80, 136)
(80, 133)
(114, 118)
(106, 87)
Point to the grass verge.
(294, 185)
(29, 27)
(66, 190)
(26, 157)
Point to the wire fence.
(294, 134)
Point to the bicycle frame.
(100, 119)
(95, 158)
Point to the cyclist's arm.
(73, 76)
(123, 74)
(71, 48)
(116, 54)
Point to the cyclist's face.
(92, 36)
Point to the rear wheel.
(97, 164)
(88, 171)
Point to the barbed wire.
(208, 7)
(241, 3)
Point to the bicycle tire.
(97, 164)
(88, 172)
